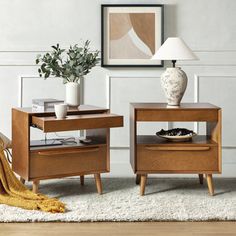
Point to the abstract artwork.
(131, 34)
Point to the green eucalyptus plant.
(71, 64)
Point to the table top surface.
(183, 106)
(76, 117)
(81, 108)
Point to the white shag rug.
(165, 200)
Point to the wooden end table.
(150, 154)
(47, 162)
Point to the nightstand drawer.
(77, 122)
(69, 161)
(177, 158)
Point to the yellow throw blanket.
(14, 193)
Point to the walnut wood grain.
(133, 138)
(143, 181)
(210, 184)
(20, 143)
(77, 122)
(101, 134)
(199, 140)
(35, 186)
(214, 130)
(183, 106)
(190, 148)
(197, 160)
(82, 109)
(38, 163)
(177, 115)
(66, 151)
(64, 162)
(186, 112)
(98, 183)
(201, 155)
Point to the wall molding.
(210, 58)
(48, 48)
(197, 97)
(21, 79)
(21, 58)
(207, 65)
(122, 76)
(21, 87)
(109, 78)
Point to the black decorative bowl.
(176, 135)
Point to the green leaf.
(54, 47)
(47, 74)
(69, 64)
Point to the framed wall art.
(131, 34)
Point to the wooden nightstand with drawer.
(47, 162)
(150, 154)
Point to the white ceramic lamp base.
(174, 82)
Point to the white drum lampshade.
(174, 80)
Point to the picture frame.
(126, 41)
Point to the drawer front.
(48, 163)
(154, 158)
(177, 115)
(77, 122)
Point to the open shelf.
(201, 140)
(96, 141)
(35, 163)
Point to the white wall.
(29, 27)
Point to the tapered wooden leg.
(201, 178)
(210, 184)
(82, 180)
(35, 186)
(22, 180)
(98, 183)
(143, 184)
(138, 179)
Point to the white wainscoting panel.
(125, 90)
(31, 87)
(219, 90)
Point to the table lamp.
(174, 80)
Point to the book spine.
(51, 104)
(37, 108)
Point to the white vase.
(72, 94)
(174, 82)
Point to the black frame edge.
(102, 32)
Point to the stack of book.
(44, 104)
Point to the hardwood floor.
(117, 229)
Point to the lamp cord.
(64, 140)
